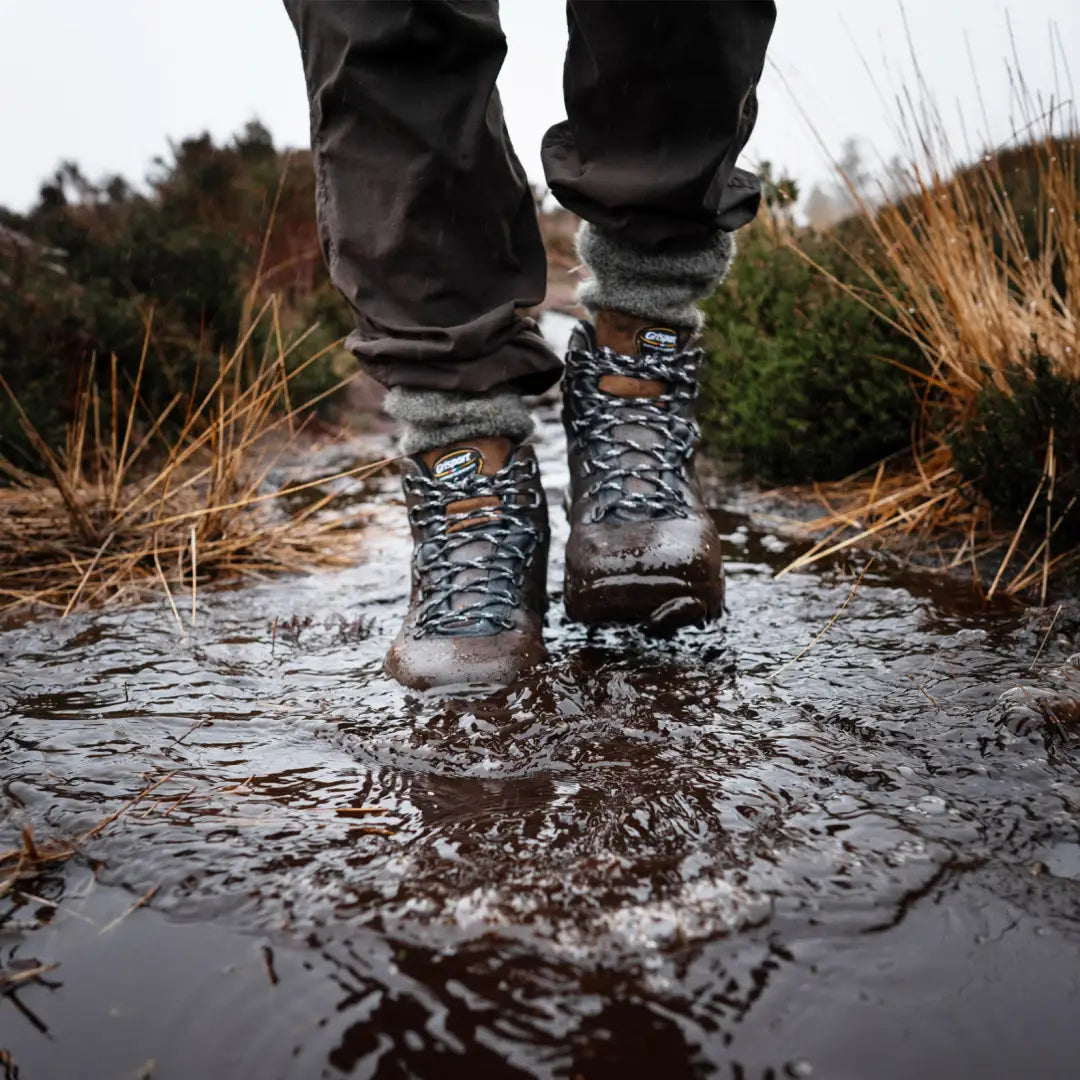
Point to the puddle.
(678, 859)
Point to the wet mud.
(708, 856)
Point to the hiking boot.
(479, 568)
(643, 547)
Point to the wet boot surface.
(643, 547)
(723, 854)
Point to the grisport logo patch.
(657, 341)
(465, 461)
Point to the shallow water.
(700, 857)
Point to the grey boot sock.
(432, 418)
(661, 285)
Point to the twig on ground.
(1046, 638)
(144, 899)
(825, 629)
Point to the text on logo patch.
(465, 461)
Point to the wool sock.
(429, 419)
(662, 286)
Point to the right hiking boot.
(479, 568)
(643, 546)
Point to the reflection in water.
(646, 859)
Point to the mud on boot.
(479, 568)
(643, 547)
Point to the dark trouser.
(427, 220)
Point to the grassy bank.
(140, 503)
(160, 353)
(918, 364)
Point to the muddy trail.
(700, 857)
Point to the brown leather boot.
(643, 547)
(479, 569)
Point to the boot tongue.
(471, 457)
(638, 339)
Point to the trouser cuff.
(664, 285)
(432, 418)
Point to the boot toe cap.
(684, 547)
(491, 661)
(659, 574)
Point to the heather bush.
(803, 382)
(1001, 449)
(93, 265)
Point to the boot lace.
(493, 574)
(607, 425)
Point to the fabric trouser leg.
(427, 220)
(660, 99)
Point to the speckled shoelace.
(505, 543)
(605, 425)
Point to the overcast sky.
(107, 83)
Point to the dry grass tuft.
(961, 282)
(125, 511)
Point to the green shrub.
(40, 328)
(798, 384)
(91, 263)
(1001, 449)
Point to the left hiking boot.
(643, 547)
(479, 568)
